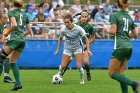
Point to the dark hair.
(122, 4)
(68, 16)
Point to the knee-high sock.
(81, 72)
(2, 58)
(61, 71)
(6, 66)
(122, 79)
(124, 87)
(87, 68)
(15, 69)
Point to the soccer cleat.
(8, 79)
(82, 81)
(16, 87)
(88, 76)
(135, 86)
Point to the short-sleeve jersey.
(89, 30)
(124, 24)
(73, 37)
(21, 19)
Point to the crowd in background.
(46, 17)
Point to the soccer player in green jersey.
(123, 28)
(15, 45)
(3, 21)
(90, 33)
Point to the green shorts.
(16, 45)
(122, 54)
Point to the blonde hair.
(18, 3)
(122, 4)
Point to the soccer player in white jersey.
(72, 45)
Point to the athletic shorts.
(122, 54)
(70, 53)
(16, 45)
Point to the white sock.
(6, 74)
(81, 72)
(60, 71)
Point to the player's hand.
(85, 46)
(56, 52)
(3, 39)
(89, 53)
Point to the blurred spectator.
(57, 2)
(46, 1)
(35, 11)
(76, 7)
(7, 4)
(30, 14)
(100, 18)
(31, 2)
(107, 8)
(46, 10)
(40, 17)
(89, 7)
(2, 8)
(136, 16)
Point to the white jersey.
(73, 38)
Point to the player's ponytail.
(18, 3)
(122, 4)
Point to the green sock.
(124, 87)
(87, 68)
(1, 68)
(121, 79)
(6, 65)
(15, 69)
(2, 58)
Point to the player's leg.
(86, 65)
(64, 63)
(113, 68)
(13, 58)
(3, 54)
(7, 78)
(79, 59)
(66, 66)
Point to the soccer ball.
(57, 79)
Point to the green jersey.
(21, 19)
(124, 24)
(89, 30)
(1, 29)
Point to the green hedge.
(95, 2)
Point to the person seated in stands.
(46, 1)
(30, 14)
(137, 20)
(99, 18)
(31, 2)
(46, 10)
(2, 8)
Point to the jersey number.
(20, 20)
(126, 22)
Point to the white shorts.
(69, 53)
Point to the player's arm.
(58, 45)
(87, 45)
(14, 24)
(112, 30)
(92, 39)
(133, 33)
(29, 30)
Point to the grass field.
(39, 81)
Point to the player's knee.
(2, 52)
(110, 73)
(3, 55)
